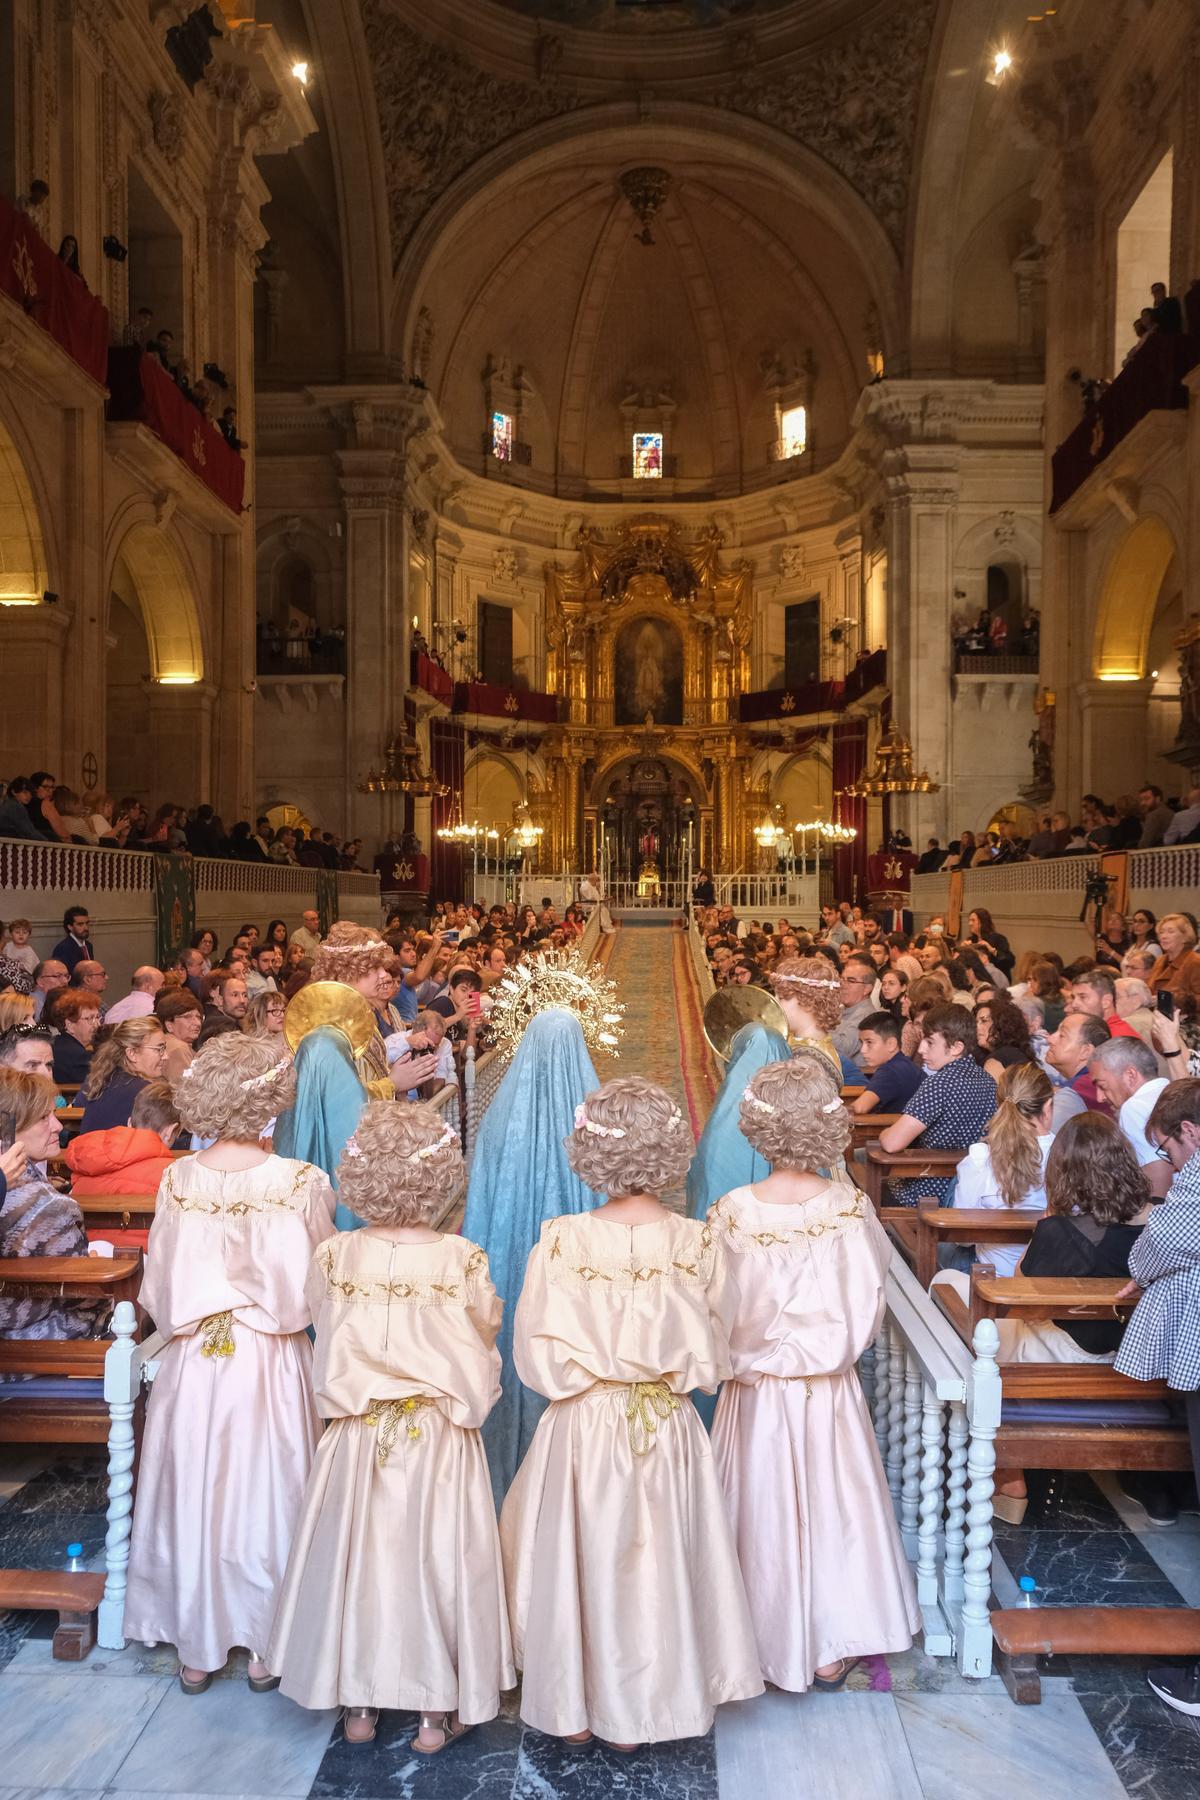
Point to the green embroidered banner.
(175, 905)
(327, 898)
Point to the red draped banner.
(140, 389)
(54, 298)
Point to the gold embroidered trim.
(627, 1276)
(388, 1416)
(238, 1209)
(648, 1403)
(363, 1291)
(727, 1220)
(217, 1334)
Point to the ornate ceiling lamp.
(645, 190)
(893, 772)
(402, 773)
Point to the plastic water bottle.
(1028, 1587)
(74, 1562)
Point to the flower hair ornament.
(813, 981)
(354, 949)
(352, 1147)
(257, 1081)
(448, 1135)
(752, 1100)
(583, 1123)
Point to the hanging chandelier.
(645, 190)
(831, 832)
(402, 773)
(893, 772)
(527, 834)
(770, 831)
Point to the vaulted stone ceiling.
(449, 98)
(645, 15)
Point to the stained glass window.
(647, 455)
(502, 436)
(793, 432)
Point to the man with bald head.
(140, 999)
(47, 977)
(91, 976)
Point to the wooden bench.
(30, 1416)
(913, 1164)
(73, 1596)
(920, 1230)
(1085, 1445)
(117, 1211)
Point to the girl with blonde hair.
(628, 1612)
(406, 1371)
(1008, 1168)
(794, 1444)
(809, 992)
(231, 1428)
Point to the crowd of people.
(41, 808)
(518, 1363)
(1141, 821)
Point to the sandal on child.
(360, 1715)
(262, 1684)
(194, 1687)
(450, 1726)
(829, 1684)
(1010, 1507)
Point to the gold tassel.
(649, 1403)
(217, 1333)
(389, 1416)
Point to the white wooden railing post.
(983, 1413)
(468, 1088)
(910, 1483)
(866, 1375)
(931, 1497)
(956, 1505)
(895, 1422)
(883, 1376)
(122, 1380)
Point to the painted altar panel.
(649, 673)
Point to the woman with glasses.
(43, 814)
(264, 1017)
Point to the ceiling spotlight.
(1002, 62)
(300, 71)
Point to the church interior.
(651, 442)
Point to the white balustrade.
(882, 1376)
(895, 1419)
(910, 1481)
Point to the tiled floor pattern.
(905, 1728)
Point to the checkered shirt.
(1162, 1340)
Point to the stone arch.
(24, 571)
(1132, 585)
(677, 762)
(654, 126)
(166, 594)
(295, 545)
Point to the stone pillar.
(180, 748)
(1075, 339)
(372, 484)
(850, 601)
(1112, 734)
(33, 644)
(83, 600)
(921, 528)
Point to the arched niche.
(648, 671)
(149, 567)
(493, 784)
(32, 636)
(23, 576)
(1132, 586)
(296, 577)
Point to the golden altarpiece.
(649, 650)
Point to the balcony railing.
(970, 662)
(807, 697)
(1152, 381)
(322, 654)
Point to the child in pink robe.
(817, 1539)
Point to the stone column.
(34, 642)
(850, 600)
(181, 722)
(1112, 733)
(372, 485)
(921, 531)
(83, 601)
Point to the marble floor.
(905, 1728)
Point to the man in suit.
(76, 946)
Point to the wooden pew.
(1024, 1443)
(117, 1211)
(908, 1165)
(921, 1229)
(28, 1416)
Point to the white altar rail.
(1037, 904)
(37, 881)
